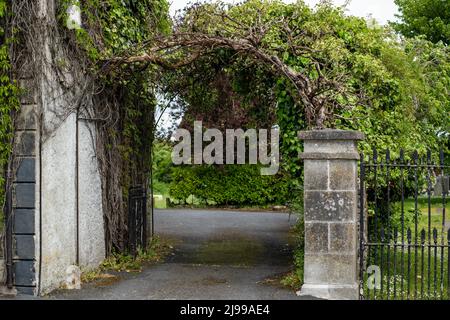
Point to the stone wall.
(57, 196)
(25, 191)
(72, 215)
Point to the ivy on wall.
(9, 102)
(124, 100)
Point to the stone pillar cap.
(331, 134)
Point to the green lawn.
(418, 271)
(436, 210)
(160, 194)
(423, 274)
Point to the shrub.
(229, 185)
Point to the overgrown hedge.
(229, 185)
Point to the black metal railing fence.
(404, 233)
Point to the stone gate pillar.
(331, 219)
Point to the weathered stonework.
(330, 199)
(57, 197)
(25, 193)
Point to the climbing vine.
(124, 99)
(120, 105)
(9, 102)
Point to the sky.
(381, 10)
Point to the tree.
(271, 32)
(321, 68)
(330, 69)
(424, 17)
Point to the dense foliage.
(8, 101)
(396, 92)
(229, 185)
(425, 17)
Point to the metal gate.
(404, 234)
(137, 218)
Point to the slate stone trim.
(24, 194)
(24, 273)
(25, 143)
(24, 221)
(26, 170)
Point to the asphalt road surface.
(217, 255)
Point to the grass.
(160, 194)
(294, 279)
(157, 250)
(436, 209)
(420, 272)
(416, 279)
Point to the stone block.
(316, 237)
(28, 93)
(27, 118)
(316, 175)
(330, 268)
(24, 221)
(5, 292)
(25, 143)
(24, 195)
(330, 292)
(342, 237)
(330, 206)
(28, 291)
(24, 273)
(24, 248)
(26, 171)
(331, 146)
(343, 175)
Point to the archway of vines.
(283, 64)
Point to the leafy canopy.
(321, 66)
(425, 17)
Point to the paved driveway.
(217, 255)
